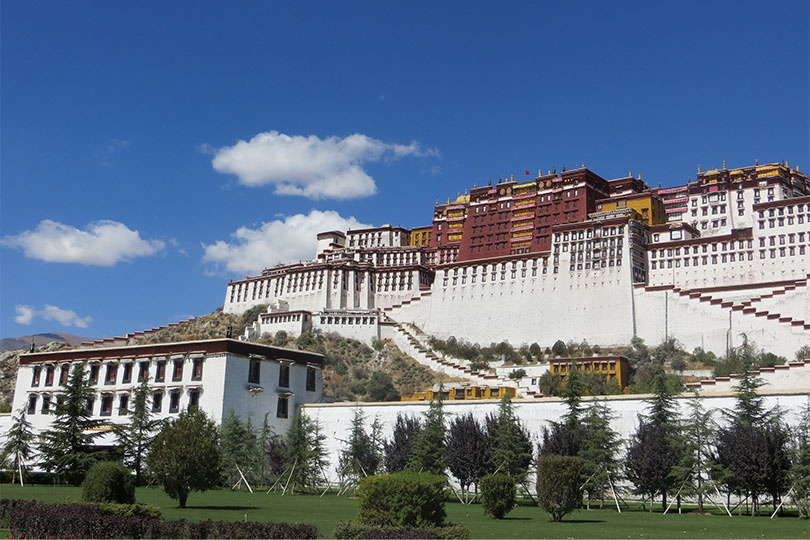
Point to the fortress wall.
(594, 304)
(336, 418)
(794, 304)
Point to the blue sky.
(150, 151)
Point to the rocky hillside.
(24, 342)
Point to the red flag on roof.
(527, 172)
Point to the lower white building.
(217, 376)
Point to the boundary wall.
(535, 414)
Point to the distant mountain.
(24, 342)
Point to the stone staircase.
(424, 293)
(749, 306)
(405, 338)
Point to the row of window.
(703, 260)
(111, 370)
(780, 222)
(255, 370)
(718, 246)
(108, 399)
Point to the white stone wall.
(360, 326)
(535, 414)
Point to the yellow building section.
(521, 244)
(454, 237)
(420, 236)
(614, 368)
(455, 213)
(521, 234)
(522, 213)
(456, 225)
(651, 208)
(523, 202)
(523, 223)
(464, 393)
(525, 189)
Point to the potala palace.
(564, 256)
(567, 256)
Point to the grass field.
(523, 522)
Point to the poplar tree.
(18, 448)
(185, 455)
(398, 449)
(468, 451)
(136, 436)
(428, 453)
(800, 470)
(566, 438)
(67, 448)
(695, 465)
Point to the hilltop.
(24, 342)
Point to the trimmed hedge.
(30, 519)
(356, 530)
(403, 499)
(107, 481)
(498, 494)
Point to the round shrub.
(406, 499)
(497, 494)
(558, 490)
(109, 482)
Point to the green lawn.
(523, 522)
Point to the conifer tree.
(398, 449)
(67, 448)
(694, 468)
(510, 444)
(566, 438)
(271, 452)
(599, 452)
(304, 454)
(18, 448)
(428, 450)
(239, 447)
(135, 436)
(359, 457)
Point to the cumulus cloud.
(285, 240)
(102, 243)
(25, 314)
(310, 166)
(65, 317)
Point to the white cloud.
(102, 243)
(25, 314)
(285, 240)
(65, 317)
(310, 166)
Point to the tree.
(359, 457)
(18, 448)
(468, 452)
(428, 450)
(803, 353)
(398, 449)
(67, 448)
(566, 438)
(559, 348)
(511, 446)
(380, 387)
(558, 481)
(599, 451)
(752, 449)
(694, 467)
(272, 450)
(185, 455)
(800, 470)
(654, 450)
(136, 436)
(551, 384)
(305, 456)
(239, 447)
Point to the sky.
(152, 151)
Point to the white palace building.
(567, 256)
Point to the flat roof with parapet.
(207, 346)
